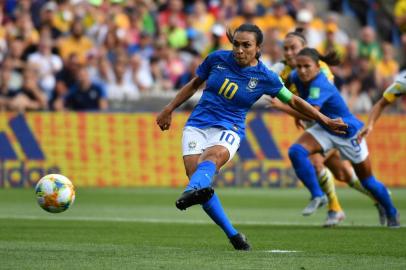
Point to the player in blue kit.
(235, 80)
(315, 88)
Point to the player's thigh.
(363, 169)
(341, 169)
(218, 154)
(190, 162)
(194, 141)
(317, 140)
(321, 141)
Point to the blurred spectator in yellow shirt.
(340, 36)
(248, 15)
(63, 16)
(387, 68)
(330, 44)
(23, 29)
(202, 20)
(400, 15)
(75, 43)
(279, 19)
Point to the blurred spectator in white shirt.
(313, 36)
(47, 65)
(120, 85)
(141, 73)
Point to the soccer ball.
(55, 193)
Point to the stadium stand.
(138, 52)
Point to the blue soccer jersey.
(325, 95)
(230, 92)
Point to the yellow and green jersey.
(396, 89)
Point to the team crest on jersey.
(314, 92)
(252, 83)
(192, 145)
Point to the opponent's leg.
(298, 154)
(335, 212)
(344, 172)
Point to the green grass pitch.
(141, 229)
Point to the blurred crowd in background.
(90, 54)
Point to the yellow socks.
(356, 184)
(326, 181)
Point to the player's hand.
(164, 119)
(364, 132)
(299, 124)
(337, 125)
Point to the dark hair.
(298, 33)
(330, 58)
(246, 27)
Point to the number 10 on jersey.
(228, 89)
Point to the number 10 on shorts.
(227, 137)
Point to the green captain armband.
(284, 95)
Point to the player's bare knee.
(318, 167)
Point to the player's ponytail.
(330, 58)
(246, 27)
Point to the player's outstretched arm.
(279, 105)
(374, 115)
(300, 105)
(164, 118)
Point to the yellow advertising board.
(123, 149)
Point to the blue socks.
(304, 169)
(202, 176)
(215, 211)
(380, 193)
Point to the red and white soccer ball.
(55, 193)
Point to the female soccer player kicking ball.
(316, 89)
(235, 80)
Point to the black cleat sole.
(190, 198)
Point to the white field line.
(167, 220)
(281, 251)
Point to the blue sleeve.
(275, 84)
(203, 70)
(293, 78)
